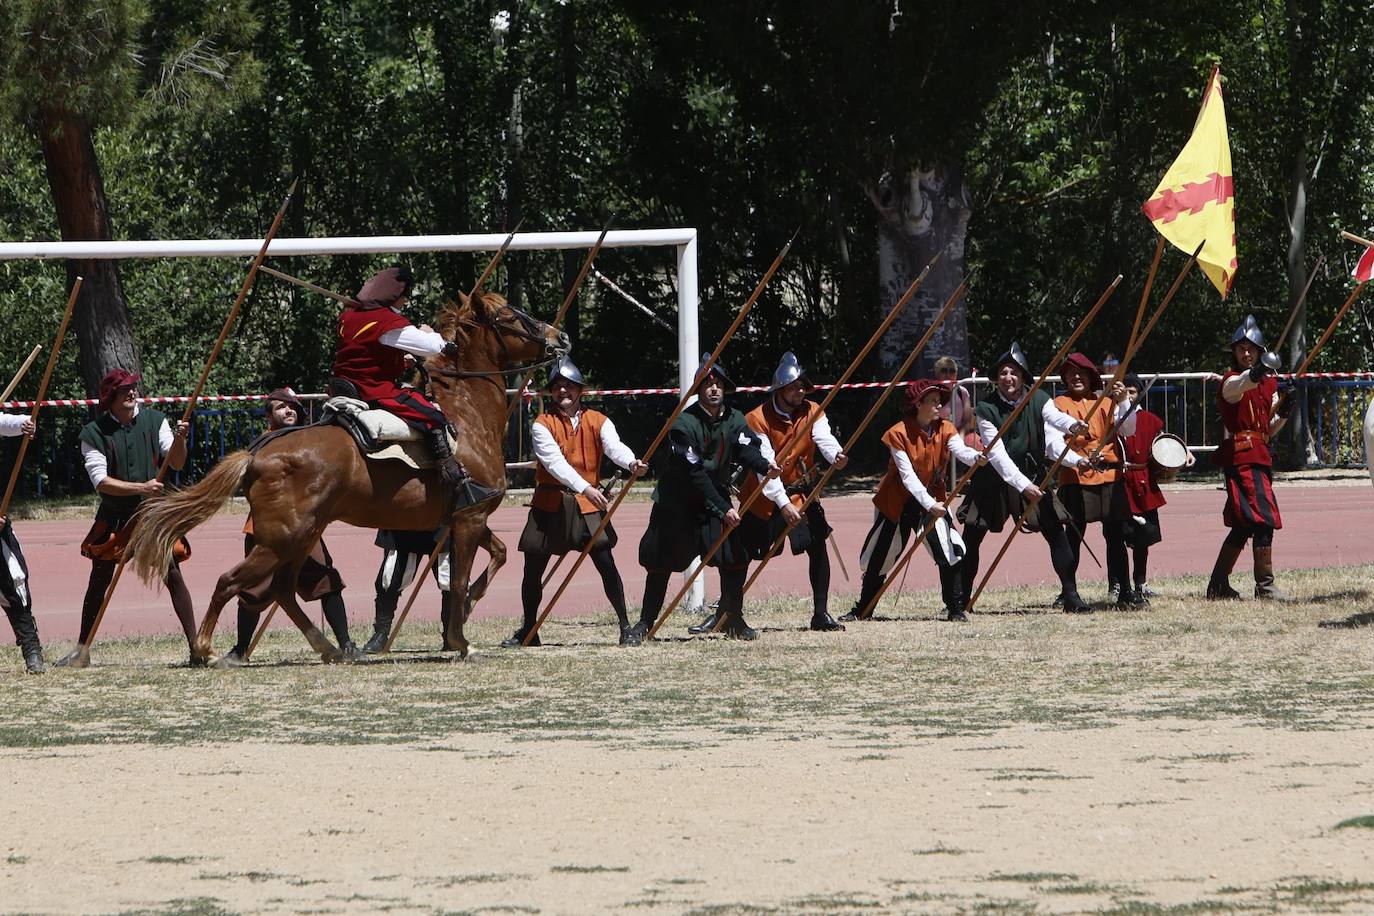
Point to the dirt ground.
(1192, 758)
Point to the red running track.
(1324, 526)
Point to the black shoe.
(33, 660)
(1130, 600)
(636, 634)
(517, 641)
(350, 651)
(736, 628)
(1221, 591)
(1076, 605)
(824, 623)
(956, 615)
(1058, 600)
(77, 658)
(707, 626)
(381, 632)
(231, 659)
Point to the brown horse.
(299, 483)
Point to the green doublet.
(131, 454)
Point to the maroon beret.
(115, 381)
(1079, 361)
(385, 287)
(919, 388)
(286, 396)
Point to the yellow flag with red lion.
(1195, 201)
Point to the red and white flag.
(1364, 269)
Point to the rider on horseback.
(374, 338)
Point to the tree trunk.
(563, 114)
(513, 203)
(922, 213)
(101, 317)
(1299, 447)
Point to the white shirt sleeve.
(772, 489)
(825, 439)
(164, 439)
(548, 453)
(1055, 417)
(1054, 444)
(414, 341)
(913, 484)
(96, 467)
(960, 449)
(12, 424)
(1234, 387)
(616, 450)
(999, 459)
(1125, 418)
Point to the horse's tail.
(163, 520)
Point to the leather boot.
(466, 491)
(26, 635)
(1219, 586)
(381, 624)
(735, 626)
(1264, 576)
(1074, 604)
(707, 625)
(822, 622)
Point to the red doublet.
(373, 367)
(1141, 489)
(1245, 459)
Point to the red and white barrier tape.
(598, 392)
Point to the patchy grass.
(1365, 820)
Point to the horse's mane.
(454, 320)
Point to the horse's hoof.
(77, 658)
(200, 661)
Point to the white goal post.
(684, 240)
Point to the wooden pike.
(926, 529)
(1302, 297)
(1137, 339)
(800, 434)
(262, 629)
(38, 399)
(163, 467)
(23, 370)
(888, 389)
(702, 372)
(442, 541)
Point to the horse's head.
(515, 336)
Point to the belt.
(1248, 438)
(1135, 466)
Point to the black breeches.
(818, 568)
(532, 587)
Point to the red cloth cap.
(1079, 361)
(385, 287)
(919, 388)
(115, 381)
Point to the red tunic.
(1141, 490)
(1247, 421)
(374, 368)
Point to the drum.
(1168, 456)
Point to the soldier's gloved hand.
(1257, 372)
(1285, 408)
(596, 498)
(1079, 429)
(450, 350)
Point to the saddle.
(379, 434)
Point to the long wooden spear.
(799, 434)
(442, 540)
(23, 370)
(38, 400)
(703, 371)
(1137, 340)
(815, 493)
(1312, 354)
(83, 652)
(1302, 297)
(867, 610)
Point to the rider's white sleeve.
(414, 341)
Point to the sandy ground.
(1170, 812)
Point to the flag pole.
(800, 433)
(866, 611)
(702, 372)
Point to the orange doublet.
(929, 454)
(794, 454)
(581, 446)
(1084, 445)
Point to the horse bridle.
(526, 327)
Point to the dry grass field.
(1192, 758)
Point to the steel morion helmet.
(564, 368)
(789, 371)
(1015, 357)
(1248, 332)
(716, 369)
